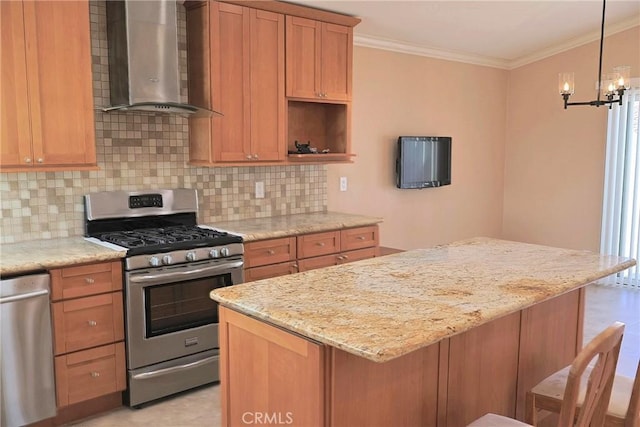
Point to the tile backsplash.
(138, 151)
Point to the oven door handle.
(183, 275)
(165, 371)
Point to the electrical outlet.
(259, 190)
(343, 183)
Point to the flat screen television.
(423, 161)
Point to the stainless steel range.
(171, 266)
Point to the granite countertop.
(36, 255)
(290, 225)
(385, 307)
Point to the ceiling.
(503, 34)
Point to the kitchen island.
(426, 337)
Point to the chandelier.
(612, 87)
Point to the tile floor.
(201, 407)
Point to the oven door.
(169, 313)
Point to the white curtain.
(621, 208)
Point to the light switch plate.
(343, 183)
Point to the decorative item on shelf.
(612, 87)
(307, 149)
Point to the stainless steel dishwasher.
(26, 371)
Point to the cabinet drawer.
(268, 271)
(318, 262)
(87, 322)
(271, 251)
(85, 280)
(358, 238)
(356, 255)
(89, 374)
(311, 245)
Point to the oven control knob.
(191, 256)
(166, 260)
(213, 253)
(154, 261)
(224, 251)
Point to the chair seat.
(553, 387)
(493, 420)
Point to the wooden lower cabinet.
(88, 332)
(287, 255)
(88, 374)
(267, 371)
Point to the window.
(621, 207)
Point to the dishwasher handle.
(21, 297)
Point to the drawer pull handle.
(360, 237)
(95, 374)
(89, 280)
(321, 244)
(92, 323)
(271, 252)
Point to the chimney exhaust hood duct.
(143, 58)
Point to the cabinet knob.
(92, 323)
(95, 374)
(271, 252)
(360, 237)
(255, 156)
(89, 280)
(248, 156)
(40, 160)
(321, 244)
(27, 159)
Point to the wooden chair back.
(605, 348)
(633, 412)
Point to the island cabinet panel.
(47, 97)
(551, 338)
(401, 392)
(269, 376)
(237, 70)
(483, 371)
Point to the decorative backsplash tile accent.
(138, 151)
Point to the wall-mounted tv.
(423, 161)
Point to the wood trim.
(300, 11)
(443, 382)
(268, 332)
(582, 294)
(223, 334)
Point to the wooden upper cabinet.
(319, 60)
(47, 95)
(237, 68)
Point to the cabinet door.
(15, 132)
(303, 57)
(336, 62)
(317, 244)
(318, 262)
(356, 255)
(230, 59)
(272, 251)
(60, 83)
(269, 271)
(267, 85)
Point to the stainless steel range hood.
(143, 58)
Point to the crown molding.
(413, 49)
(576, 42)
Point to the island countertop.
(386, 307)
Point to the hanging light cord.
(604, 4)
